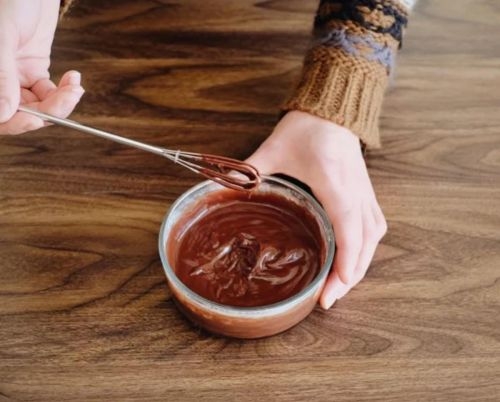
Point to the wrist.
(310, 124)
(343, 89)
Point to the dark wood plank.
(85, 313)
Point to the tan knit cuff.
(344, 89)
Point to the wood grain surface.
(85, 313)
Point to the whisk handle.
(94, 131)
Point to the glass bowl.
(246, 322)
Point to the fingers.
(27, 96)
(43, 88)
(72, 78)
(265, 159)
(9, 82)
(332, 290)
(374, 228)
(20, 123)
(61, 101)
(46, 97)
(348, 237)
(345, 214)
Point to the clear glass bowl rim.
(258, 311)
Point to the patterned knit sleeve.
(346, 70)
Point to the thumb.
(10, 90)
(265, 159)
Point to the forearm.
(346, 71)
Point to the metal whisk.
(228, 172)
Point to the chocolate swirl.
(248, 250)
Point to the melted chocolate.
(244, 249)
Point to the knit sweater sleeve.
(346, 70)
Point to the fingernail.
(4, 109)
(327, 304)
(75, 78)
(331, 303)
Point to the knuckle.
(375, 232)
(382, 228)
(358, 277)
(371, 234)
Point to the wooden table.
(85, 313)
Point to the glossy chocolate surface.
(246, 249)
